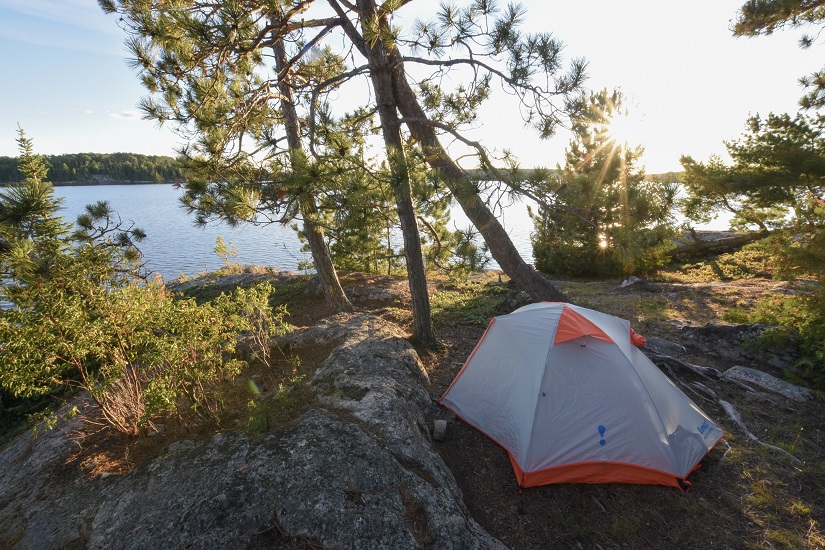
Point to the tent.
(572, 400)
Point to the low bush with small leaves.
(803, 313)
(79, 315)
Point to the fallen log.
(700, 248)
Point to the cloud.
(77, 25)
(126, 115)
(76, 13)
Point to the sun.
(616, 131)
(625, 129)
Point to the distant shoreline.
(112, 182)
(96, 183)
(81, 169)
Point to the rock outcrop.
(661, 346)
(768, 382)
(356, 471)
(744, 343)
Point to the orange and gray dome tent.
(564, 390)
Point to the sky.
(690, 83)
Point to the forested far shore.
(100, 169)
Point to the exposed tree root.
(737, 418)
(669, 363)
(708, 373)
(725, 455)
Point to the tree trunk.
(703, 248)
(497, 239)
(381, 77)
(333, 292)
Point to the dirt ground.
(743, 496)
(754, 498)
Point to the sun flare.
(616, 129)
(626, 130)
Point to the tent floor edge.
(602, 472)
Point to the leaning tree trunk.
(381, 78)
(333, 292)
(497, 239)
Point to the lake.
(174, 246)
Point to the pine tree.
(313, 230)
(205, 66)
(598, 215)
(489, 43)
(763, 17)
(776, 184)
(30, 228)
(217, 86)
(373, 25)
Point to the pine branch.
(283, 73)
(349, 29)
(318, 89)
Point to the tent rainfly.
(572, 400)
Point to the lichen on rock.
(356, 471)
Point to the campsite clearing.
(753, 498)
(745, 495)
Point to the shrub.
(806, 314)
(79, 316)
(137, 350)
(250, 312)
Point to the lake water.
(175, 246)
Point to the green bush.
(806, 314)
(137, 350)
(78, 316)
(600, 214)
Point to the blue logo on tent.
(601, 435)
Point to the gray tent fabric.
(572, 400)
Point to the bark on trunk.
(704, 248)
(333, 292)
(497, 239)
(381, 77)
